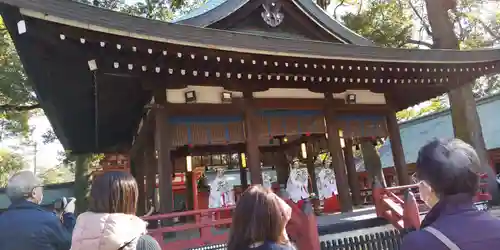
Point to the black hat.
(147, 242)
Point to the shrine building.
(255, 78)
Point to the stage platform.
(343, 222)
(328, 225)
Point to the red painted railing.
(302, 227)
(400, 206)
(397, 204)
(205, 220)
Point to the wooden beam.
(337, 157)
(200, 59)
(398, 153)
(352, 174)
(252, 140)
(163, 143)
(144, 134)
(236, 107)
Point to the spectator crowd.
(446, 172)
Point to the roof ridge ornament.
(272, 14)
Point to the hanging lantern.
(303, 149)
(189, 163)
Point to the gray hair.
(21, 185)
(449, 166)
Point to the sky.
(46, 154)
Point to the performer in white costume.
(296, 186)
(266, 180)
(325, 180)
(221, 191)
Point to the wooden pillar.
(151, 170)
(337, 157)
(282, 165)
(243, 172)
(398, 153)
(252, 140)
(81, 187)
(163, 143)
(189, 198)
(138, 165)
(311, 167)
(373, 165)
(352, 174)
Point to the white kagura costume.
(221, 192)
(296, 186)
(325, 180)
(266, 180)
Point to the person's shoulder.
(146, 242)
(419, 239)
(276, 246)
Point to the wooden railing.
(402, 206)
(302, 227)
(204, 221)
(397, 204)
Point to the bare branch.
(488, 29)
(420, 17)
(336, 7)
(420, 43)
(360, 7)
(461, 33)
(9, 107)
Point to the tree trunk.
(323, 3)
(81, 182)
(466, 124)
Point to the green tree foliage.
(17, 99)
(10, 163)
(59, 174)
(383, 22)
(404, 23)
(433, 105)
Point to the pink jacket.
(100, 231)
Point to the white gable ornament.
(272, 14)
(221, 191)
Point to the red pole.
(302, 227)
(411, 215)
(194, 184)
(377, 194)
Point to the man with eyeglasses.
(25, 225)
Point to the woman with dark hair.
(110, 222)
(448, 176)
(259, 221)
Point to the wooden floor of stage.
(360, 221)
(360, 218)
(334, 226)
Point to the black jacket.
(27, 226)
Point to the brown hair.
(258, 217)
(114, 192)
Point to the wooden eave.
(101, 20)
(59, 67)
(308, 7)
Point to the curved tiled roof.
(215, 10)
(96, 19)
